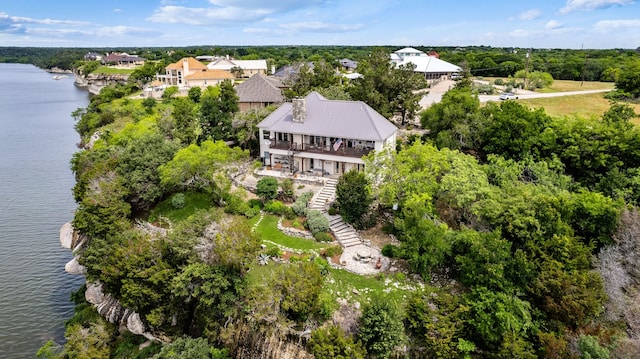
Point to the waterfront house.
(123, 60)
(259, 91)
(313, 135)
(246, 68)
(189, 72)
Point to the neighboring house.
(249, 67)
(189, 72)
(319, 136)
(259, 91)
(290, 72)
(348, 65)
(123, 60)
(92, 56)
(430, 66)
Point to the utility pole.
(526, 68)
(584, 66)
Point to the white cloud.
(307, 27)
(553, 24)
(607, 26)
(109, 31)
(228, 11)
(206, 16)
(28, 20)
(590, 5)
(531, 14)
(117, 10)
(317, 26)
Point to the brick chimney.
(299, 110)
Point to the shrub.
(267, 188)
(498, 82)
(317, 222)
(300, 208)
(254, 202)
(235, 205)
(276, 207)
(287, 189)
(332, 251)
(332, 211)
(178, 200)
(391, 251)
(252, 212)
(323, 237)
(273, 252)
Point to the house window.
(283, 136)
(266, 135)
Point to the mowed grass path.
(576, 105)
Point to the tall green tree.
(352, 196)
(216, 112)
(381, 328)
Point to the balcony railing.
(356, 151)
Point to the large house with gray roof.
(313, 135)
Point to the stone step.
(334, 220)
(350, 244)
(339, 226)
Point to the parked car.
(456, 76)
(508, 96)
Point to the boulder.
(135, 325)
(66, 235)
(73, 267)
(94, 294)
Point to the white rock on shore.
(66, 235)
(73, 267)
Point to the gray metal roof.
(331, 118)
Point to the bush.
(235, 205)
(332, 251)
(332, 211)
(287, 189)
(254, 202)
(317, 222)
(367, 220)
(273, 252)
(252, 212)
(323, 237)
(300, 208)
(276, 207)
(267, 188)
(178, 200)
(498, 82)
(391, 251)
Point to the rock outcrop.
(111, 309)
(95, 82)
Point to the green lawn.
(575, 105)
(341, 284)
(268, 231)
(106, 70)
(194, 201)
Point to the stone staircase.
(325, 196)
(344, 232)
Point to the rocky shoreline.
(105, 304)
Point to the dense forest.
(518, 231)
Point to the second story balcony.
(342, 150)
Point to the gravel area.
(362, 259)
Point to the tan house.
(314, 135)
(259, 91)
(248, 67)
(189, 72)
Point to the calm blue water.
(36, 143)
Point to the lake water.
(36, 143)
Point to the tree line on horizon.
(562, 64)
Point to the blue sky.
(515, 23)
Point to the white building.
(323, 137)
(430, 66)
